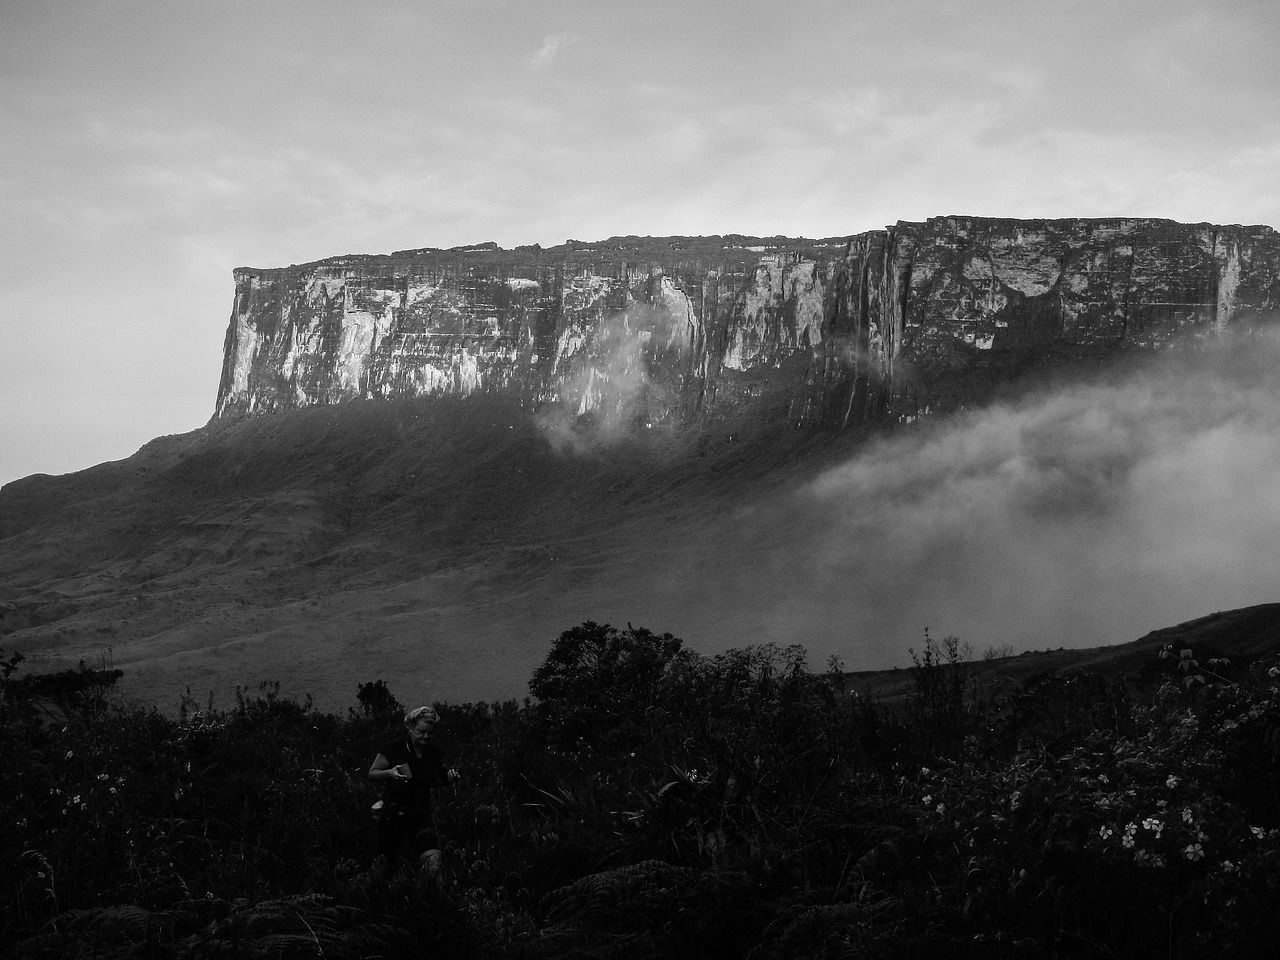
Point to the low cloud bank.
(1088, 515)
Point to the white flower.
(1193, 852)
(942, 808)
(927, 799)
(1171, 782)
(1105, 832)
(1186, 814)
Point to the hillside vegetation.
(436, 536)
(653, 802)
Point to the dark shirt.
(428, 772)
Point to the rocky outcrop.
(642, 331)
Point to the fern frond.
(289, 945)
(882, 860)
(114, 932)
(643, 910)
(54, 944)
(836, 930)
(571, 943)
(303, 925)
(378, 939)
(612, 887)
(123, 919)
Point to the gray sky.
(148, 147)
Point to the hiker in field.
(409, 767)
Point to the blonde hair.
(420, 713)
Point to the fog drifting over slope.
(1086, 515)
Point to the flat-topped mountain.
(643, 331)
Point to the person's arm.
(383, 769)
(444, 774)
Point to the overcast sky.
(147, 148)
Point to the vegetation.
(652, 802)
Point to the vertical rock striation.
(881, 325)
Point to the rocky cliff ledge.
(878, 326)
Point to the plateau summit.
(639, 331)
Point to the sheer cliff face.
(645, 331)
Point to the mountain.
(424, 466)
(639, 331)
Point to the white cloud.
(1074, 518)
(550, 49)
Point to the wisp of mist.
(1083, 515)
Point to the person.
(410, 767)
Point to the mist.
(609, 383)
(1083, 515)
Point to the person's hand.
(402, 772)
(452, 775)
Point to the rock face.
(879, 326)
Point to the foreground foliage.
(653, 802)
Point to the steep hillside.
(440, 542)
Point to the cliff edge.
(641, 331)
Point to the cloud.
(603, 394)
(550, 49)
(1082, 516)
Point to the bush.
(598, 685)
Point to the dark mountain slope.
(441, 543)
(1241, 636)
